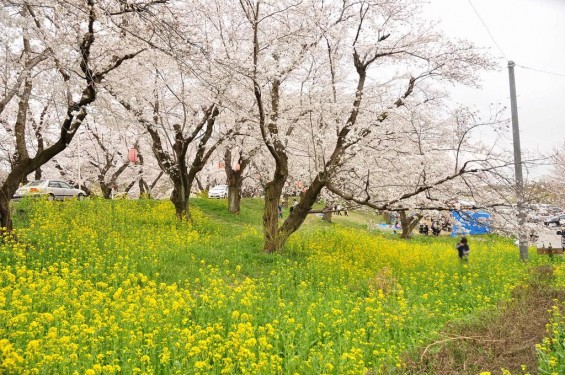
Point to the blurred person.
(463, 249)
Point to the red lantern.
(133, 155)
(237, 167)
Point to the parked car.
(52, 189)
(219, 191)
(555, 221)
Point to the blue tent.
(470, 222)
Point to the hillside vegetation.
(102, 287)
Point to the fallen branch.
(476, 338)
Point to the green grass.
(141, 290)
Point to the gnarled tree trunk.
(105, 188)
(179, 197)
(408, 224)
(235, 179)
(274, 238)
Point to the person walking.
(463, 249)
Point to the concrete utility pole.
(78, 165)
(522, 235)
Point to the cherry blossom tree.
(105, 160)
(181, 120)
(325, 78)
(66, 48)
(430, 165)
(551, 187)
(238, 156)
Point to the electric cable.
(541, 71)
(487, 29)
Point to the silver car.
(52, 189)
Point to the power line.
(487, 29)
(541, 70)
(500, 49)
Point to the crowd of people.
(437, 227)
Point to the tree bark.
(105, 188)
(327, 213)
(274, 239)
(7, 190)
(235, 180)
(408, 224)
(181, 191)
(130, 185)
(234, 197)
(144, 191)
(179, 197)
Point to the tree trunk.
(182, 182)
(144, 191)
(7, 191)
(235, 180)
(5, 215)
(327, 213)
(18, 173)
(276, 239)
(180, 200)
(105, 188)
(130, 185)
(408, 224)
(84, 188)
(234, 199)
(179, 197)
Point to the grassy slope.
(395, 294)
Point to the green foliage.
(202, 194)
(105, 286)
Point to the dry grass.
(494, 341)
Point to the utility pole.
(522, 236)
(78, 158)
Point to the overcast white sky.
(532, 34)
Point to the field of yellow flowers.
(121, 287)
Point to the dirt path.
(493, 343)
